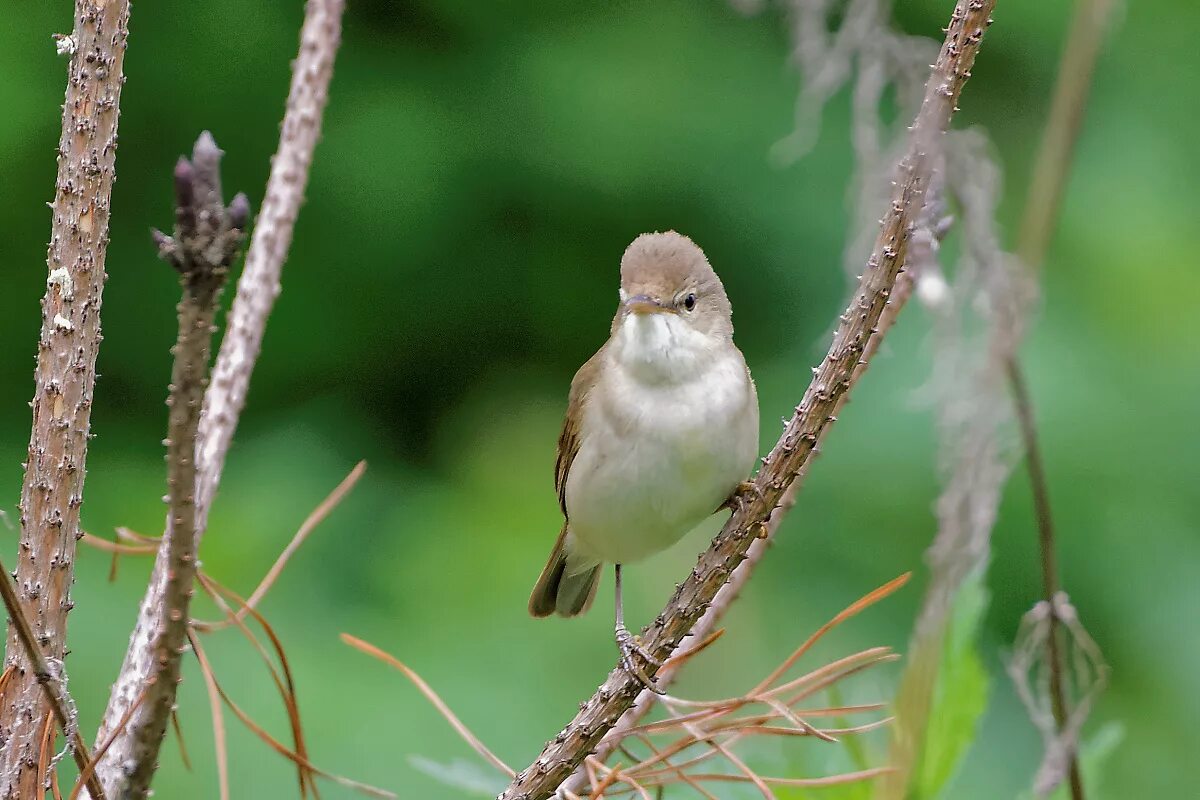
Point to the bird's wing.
(569, 439)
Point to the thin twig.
(831, 381)
(310, 523)
(218, 725)
(259, 284)
(257, 289)
(927, 236)
(432, 696)
(714, 728)
(206, 239)
(51, 682)
(270, 740)
(65, 375)
(1042, 206)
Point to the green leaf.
(960, 695)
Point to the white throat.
(663, 349)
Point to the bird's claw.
(743, 494)
(632, 650)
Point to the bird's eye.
(689, 302)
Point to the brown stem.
(832, 380)
(259, 284)
(1042, 206)
(65, 377)
(257, 289)
(206, 239)
(741, 575)
(51, 682)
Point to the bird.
(661, 431)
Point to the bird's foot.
(742, 495)
(631, 652)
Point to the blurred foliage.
(960, 694)
(482, 168)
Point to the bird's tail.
(562, 588)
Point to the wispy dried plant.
(273, 654)
(1083, 675)
(695, 743)
(979, 314)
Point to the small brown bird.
(661, 429)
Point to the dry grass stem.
(285, 684)
(315, 518)
(476, 744)
(852, 344)
(220, 745)
(270, 740)
(1076, 69)
(700, 732)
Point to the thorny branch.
(259, 284)
(65, 376)
(51, 680)
(206, 239)
(257, 289)
(697, 733)
(832, 379)
(931, 227)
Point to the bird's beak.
(645, 304)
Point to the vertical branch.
(1042, 204)
(65, 375)
(832, 379)
(257, 289)
(206, 239)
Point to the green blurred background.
(482, 168)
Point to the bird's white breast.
(668, 431)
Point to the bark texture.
(207, 237)
(832, 379)
(226, 395)
(259, 284)
(65, 376)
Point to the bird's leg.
(631, 649)
(745, 492)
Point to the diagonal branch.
(832, 379)
(259, 285)
(65, 376)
